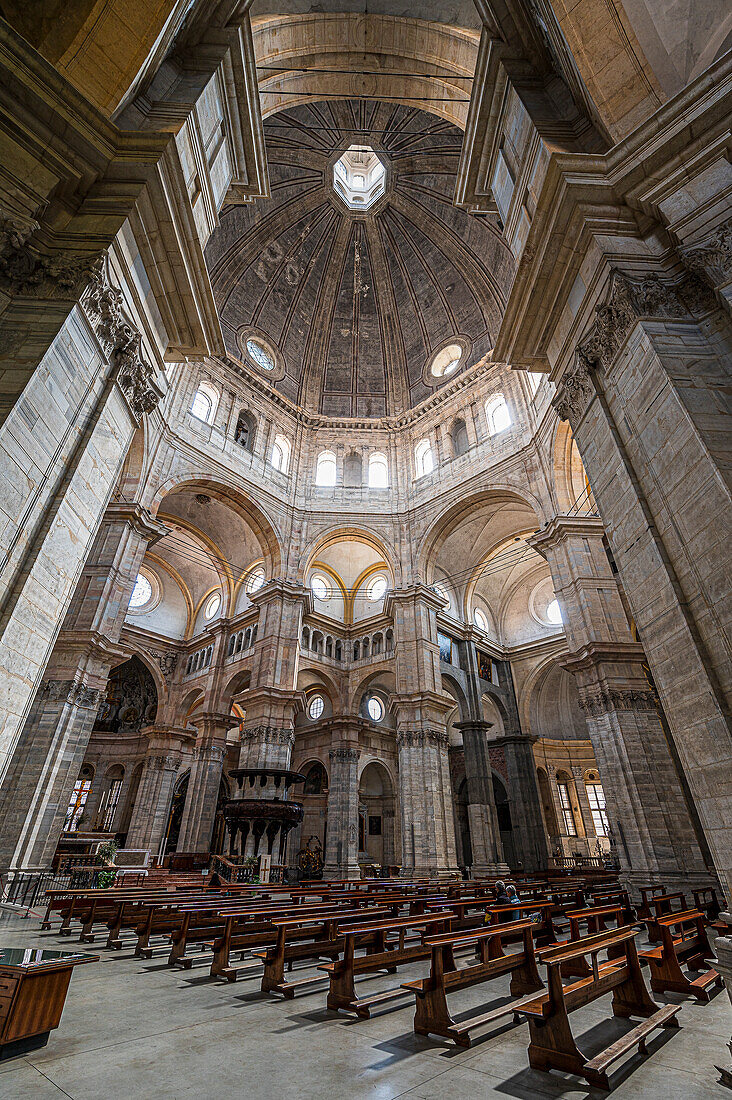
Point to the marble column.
(199, 814)
(45, 765)
(425, 797)
(341, 846)
(485, 836)
(645, 799)
(161, 766)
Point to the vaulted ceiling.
(353, 304)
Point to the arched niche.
(376, 809)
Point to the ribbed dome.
(353, 306)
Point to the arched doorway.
(505, 825)
(176, 813)
(314, 798)
(376, 816)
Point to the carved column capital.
(72, 692)
(419, 738)
(712, 259)
(597, 701)
(122, 343)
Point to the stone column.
(199, 814)
(485, 836)
(150, 813)
(425, 795)
(49, 753)
(341, 846)
(645, 798)
(523, 793)
(421, 709)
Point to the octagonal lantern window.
(359, 177)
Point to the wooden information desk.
(33, 985)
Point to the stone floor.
(137, 1029)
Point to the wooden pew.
(432, 1015)
(648, 892)
(594, 920)
(689, 944)
(385, 955)
(239, 927)
(552, 1043)
(705, 898)
(239, 933)
(545, 932)
(312, 937)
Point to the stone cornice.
(614, 198)
(139, 518)
(594, 654)
(316, 422)
(563, 526)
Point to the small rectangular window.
(566, 804)
(112, 802)
(77, 804)
(596, 799)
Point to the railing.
(28, 888)
(568, 863)
(234, 871)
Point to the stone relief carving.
(72, 692)
(419, 738)
(712, 259)
(162, 762)
(122, 342)
(343, 754)
(598, 701)
(268, 735)
(627, 301)
(166, 662)
(25, 270)
(574, 392)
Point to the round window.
(480, 620)
(446, 361)
(319, 588)
(316, 707)
(377, 588)
(255, 580)
(141, 593)
(259, 354)
(212, 605)
(375, 708)
(554, 612)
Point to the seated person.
(513, 896)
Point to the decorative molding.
(712, 259)
(344, 754)
(421, 738)
(73, 693)
(574, 393)
(268, 735)
(160, 762)
(599, 701)
(166, 660)
(628, 300)
(24, 270)
(122, 344)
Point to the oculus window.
(359, 177)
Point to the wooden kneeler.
(432, 1015)
(552, 1043)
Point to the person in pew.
(513, 897)
(499, 894)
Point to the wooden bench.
(647, 893)
(552, 1044)
(545, 932)
(385, 954)
(252, 921)
(244, 931)
(312, 937)
(689, 944)
(432, 1015)
(594, 920)
(705, 898)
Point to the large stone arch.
(419, 60)
(239, 500)
(341, 533)
(449, 519)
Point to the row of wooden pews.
(343, 936)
